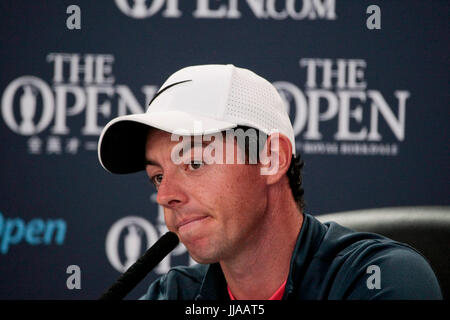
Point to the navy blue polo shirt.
(329, 262)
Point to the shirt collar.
(214, 285)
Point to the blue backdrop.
(367, 92)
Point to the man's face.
(215, 209)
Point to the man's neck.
(257, 271)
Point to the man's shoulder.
(179, 283)
(387, 269)
(354, 260)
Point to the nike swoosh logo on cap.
(167, 87)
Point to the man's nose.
(171, 193)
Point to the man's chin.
(202, 256)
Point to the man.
(242, 219)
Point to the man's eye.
(157, 179)
(195, 165)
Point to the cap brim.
(121, 147)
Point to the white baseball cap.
(213, 98)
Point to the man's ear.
(276, 157)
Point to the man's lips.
(187, 221)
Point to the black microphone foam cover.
(154, 255)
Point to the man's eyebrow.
(194, 143)
(187, 146)
(152, 162)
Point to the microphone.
(141, 267)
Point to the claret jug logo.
(136, 234)
(31, 88)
